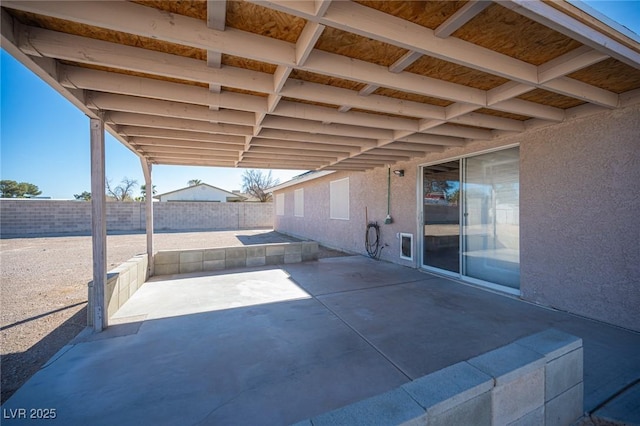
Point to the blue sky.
(44, 139)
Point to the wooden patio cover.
(321, 85)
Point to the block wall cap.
(390, 408)
(509, 362)
(551, 343)
(443, 389)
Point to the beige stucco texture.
(579, 206)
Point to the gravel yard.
(43, 291)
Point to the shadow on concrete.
(18, 367)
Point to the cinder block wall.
(537, 380)
(579, 229)
(122, 282)
(170, 262)
(40, 217)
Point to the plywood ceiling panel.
(504, 31)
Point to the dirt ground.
(43, 289)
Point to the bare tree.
(257, 183)
(194, 182)
(124, 191)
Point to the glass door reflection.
(441, 213)
(491, 227)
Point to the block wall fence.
(25, 217)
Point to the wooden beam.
(368, 89)
(125, 118)
(388, 150)
(134, 104)
(104, 81)
(372, 155)
(96, 52)
(288, 135)
(461, 17)
(507, 91)
(140, 87)
(531, 109)
(178, 162)
(460, 132)
(588, 93)
(242, 102)
(278, 164)
(98, 226)
(568, 63)
(169, 134)
(339, 167)
(294, 152)
(303, 146)
(185, 156)
(151, 149)
(298, 125)
(363, 162)
(334, 95)
(490, 122)
(321, 7)
(324, 114)
(261, 156)
(406, 60)
(307, 40)
(376, 75)
(431, 140)
(425, 148)
(217, 14)
(146, 171)
(143, 143)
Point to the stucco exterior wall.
(579, 206)
(580, 249)
(45, 217)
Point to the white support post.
(98, 225)
(146, 170)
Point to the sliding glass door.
(441, 211)
(471, 217)
(490, 225)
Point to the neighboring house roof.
(304, 177)
(231, 196)
(248, 197)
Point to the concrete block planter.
(185, 261)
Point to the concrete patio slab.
(624, 409)
(277, 345)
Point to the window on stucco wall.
(280, 204)
(298, 202)
(339, 199)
